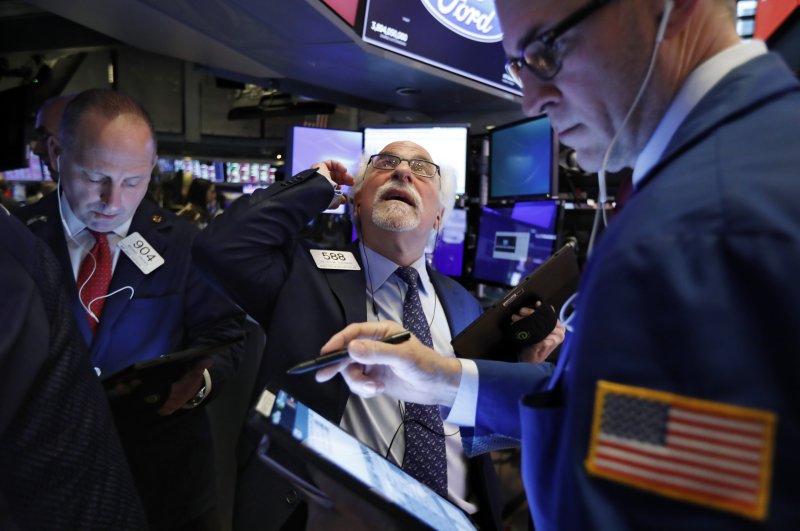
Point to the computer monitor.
(306, 146)
(523, 160)
(209, 170)
(448, 255)
(166, 165)
(35, 170)
(447, 144)
(248, 172)
(513, 241)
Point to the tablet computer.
(553, 283)
(304, 434)
(153, 379)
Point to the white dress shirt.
(377, 422)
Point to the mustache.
(407, 190)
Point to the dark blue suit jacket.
(173, 308)
(253, 253)
(692, 290)
(61, 463)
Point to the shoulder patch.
(708, 453)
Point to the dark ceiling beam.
(45, 32)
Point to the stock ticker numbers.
(388, 33)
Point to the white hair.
(447, 188)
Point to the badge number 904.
(144, 250)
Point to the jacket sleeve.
(246, 252)
(501, 386)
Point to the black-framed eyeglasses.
(423, 168)
(540, 54)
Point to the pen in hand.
(334, 357)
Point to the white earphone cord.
(601, 175)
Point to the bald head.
(105, 104)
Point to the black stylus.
(335, 357)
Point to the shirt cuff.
(466, 403)
(337, 192)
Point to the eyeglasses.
(540, 54)
(423, 168)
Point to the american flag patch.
(703, 452)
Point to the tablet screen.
(335, 445)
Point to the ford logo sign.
(474, 19)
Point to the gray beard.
(394, 217)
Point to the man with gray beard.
(302, 295)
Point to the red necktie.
(94, 277)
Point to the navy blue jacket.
(691, 291)
(61, 463)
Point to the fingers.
(351, 332)
(335, 171)
(540, 351)
(344, 338)
(523, 312)
(371, 352)
(560, 331)
(360, 383)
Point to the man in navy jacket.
(674, 404)
(105, 152)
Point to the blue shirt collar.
(379, 269)
(697, 84)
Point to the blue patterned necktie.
(425, 457)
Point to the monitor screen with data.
(513, 241)
(354, 462)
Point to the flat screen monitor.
(447, 144)
(448, 255)
(463, 37)
(513, 241)
(523, 160)
(35, 170)
(308, 145)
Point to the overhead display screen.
(459, 36)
